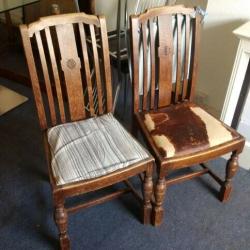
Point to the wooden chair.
(83, 154)
(179, 133)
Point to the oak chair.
(86, 147)
(165, 48)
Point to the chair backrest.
(131, 7)
(165, 45)
(73, 73)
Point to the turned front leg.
(231, 169)
(160, 189)
(61, 219)
(147, 195)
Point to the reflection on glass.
(6, 5)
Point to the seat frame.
(70, 67)
(165, 98)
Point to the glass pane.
(12, 4)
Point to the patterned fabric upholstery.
(91, 148)
(185, 129)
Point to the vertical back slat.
(67, 89)
(71, 67)
(169, 48)
(165, 53)
(186, 58)
(179, 63)
(135, 61)
(106, 63)
(145, 65)
(87, 68)
(55, 74)
(46, 78)
(152, 55)
(34, 78)
(97, 69)
(195, 55)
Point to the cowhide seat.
(185, 129)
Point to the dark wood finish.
(152, 52)
(186, 177)
(69, 70)
(194, 56)
(165, 55)
(178, 69)
(100, 200)
(55, 74)
(87, 6)
(147, 194)
(145, 63)
(61, 220)
(232, 167)
(131, 188)
(80, 68)
(210, 172)
(187, 41)
(160, 190)
(174, 100)
(9, 25)
(135, 61)
(20, 78)
(43, 8)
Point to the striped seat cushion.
(184, 129)
(91, 148)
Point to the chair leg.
(61, 219)
(231, 168)
(158, 212)
(147, 195)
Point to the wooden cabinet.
(43, 8)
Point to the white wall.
(218, 48)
